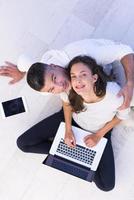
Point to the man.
(103, 51)
(48, 78)
(51, 77)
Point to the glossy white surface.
(32, 27)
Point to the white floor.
(32, 27)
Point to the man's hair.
(36, 74)
(76, 101)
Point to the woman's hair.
(76, 101)
(36, 76)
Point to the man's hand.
(127, 93)
(92, 139)
(11, 70)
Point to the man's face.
(56, 80)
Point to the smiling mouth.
(79, 87)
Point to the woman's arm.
(67, 115)
(93, 139)
(69, 136)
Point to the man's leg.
(105, 174)
(36, 139)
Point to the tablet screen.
(13, 107)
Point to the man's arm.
(128, 63)
(17, 72)
(127, 91)
(109, 51)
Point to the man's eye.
(54, 78)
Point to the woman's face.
(82, 79)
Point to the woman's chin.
(79, 92)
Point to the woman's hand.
(70, 139)
(92, 139)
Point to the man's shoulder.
(93, 41)
(57, 57)
(81, 42)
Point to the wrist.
(130, 83)
(23, 73)
(100, 134)
(68, 127)
(68, 130)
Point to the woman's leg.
(36, 139)
(105, 174)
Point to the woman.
(93, 104)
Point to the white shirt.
(103, 51)
(99, 113)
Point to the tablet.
(13, 107)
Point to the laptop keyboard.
(80, 153)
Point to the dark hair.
(35, 75)
(76, 101)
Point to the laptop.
(80, 161)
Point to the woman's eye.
(73, 77)
(83, 74)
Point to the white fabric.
(55, 57)
(24, 62)
(99, 113)
(104, 51)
